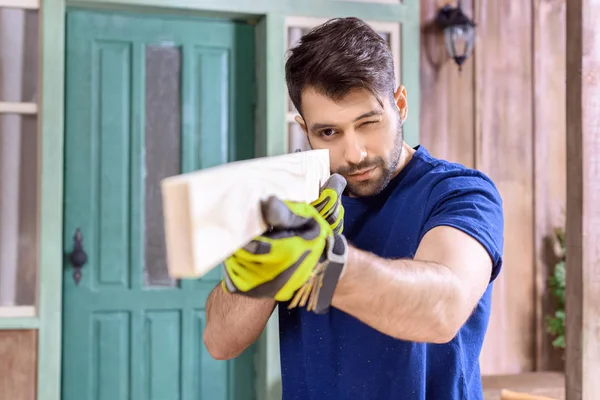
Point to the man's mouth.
(363, 174)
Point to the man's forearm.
(410, 300)
(234, 322)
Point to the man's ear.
(300, 121)
(401, 102)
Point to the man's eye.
(327, 132)
(369, 123)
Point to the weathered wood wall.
(504, 114)
(18, 364)
(583, 200)
(550, 155)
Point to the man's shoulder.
(466, 199)
(444, 176)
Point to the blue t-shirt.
(335, 356)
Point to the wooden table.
(549, 384)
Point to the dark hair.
(338, 56)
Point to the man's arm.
(234, 322)
(426, 299)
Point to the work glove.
(300, 258)
(329, 203)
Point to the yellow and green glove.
(329, 203)
(300, 258)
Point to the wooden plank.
(50, 201)
(504, 125)
(18, 108)
(398, 12)
(583, 200)
(27, 4)
(18, 352)
(270, 123)
(447, 96)
(550, 384)
(378, 1)
(17, 311)
(464, 120)
(550, 163)
(409, 71)
(510, 395)
(271, 91)
(12, 323)
(212, 212)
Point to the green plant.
(556, 285)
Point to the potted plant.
(556, 285)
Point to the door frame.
(270, 19)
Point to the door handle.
(77, 257)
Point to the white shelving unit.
(18, 156)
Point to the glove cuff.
(335, 257)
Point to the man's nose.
(355, 150)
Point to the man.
(388, 295)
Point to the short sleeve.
(472, 204)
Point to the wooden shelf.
(18, 108)
(549, 384)
(28, 4)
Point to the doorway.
(147, 96)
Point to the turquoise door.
(146, 97)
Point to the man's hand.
(329, 203)
(300, 258)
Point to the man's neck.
(405, 157)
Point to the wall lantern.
(459, 32)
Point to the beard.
(375, 185)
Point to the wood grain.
(447, 97)
(18, 369)
(504, 125)
(213, 212)
(550, 162)
(510, 395)
(548, 384)
(504, 114)
(476, 119)
(583, 200)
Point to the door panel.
(147, 97)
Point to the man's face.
(364, 139)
